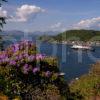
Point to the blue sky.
(56, 15)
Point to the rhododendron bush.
(21, 67)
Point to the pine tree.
(2, 22)
(2, 19)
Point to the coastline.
(90, 43)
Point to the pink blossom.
(47, 74)
(36, 70)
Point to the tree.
(2, 22)
(2, 19)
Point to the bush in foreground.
(26, 73)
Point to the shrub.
(21, 67)
(88, 85)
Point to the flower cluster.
(23, 56)
(22, 67)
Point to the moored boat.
(82, 47)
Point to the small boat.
(76, 78)
(82, 47)
(61, 74)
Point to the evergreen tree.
(2, 19)
(2, 22)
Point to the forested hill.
(83, 35)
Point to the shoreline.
(90, 43)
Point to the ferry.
(61, 74)
(82, 47)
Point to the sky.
(51, 15)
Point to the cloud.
(93, 23)
(57, 25)
(3, 13)
(24, 13)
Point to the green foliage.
(2, 19)
(46, 38)
(88, 85)
(2, 1)
(22, 70)
(76, 35)
(50, 92)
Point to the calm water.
(69, 62)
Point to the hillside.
(82, 35)
(88, 86)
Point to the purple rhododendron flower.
(25, 55)
(23, 58)
(2, 56)
(39, 57)
(36, 69)
(26, 68)
(31, 58)
(20, 57)
(47, 73)
(16, 58)
(16, 47)
(12, 62)
(6, 59)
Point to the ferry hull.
(83, 48)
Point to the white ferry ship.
(82, 47)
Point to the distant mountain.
(39, 33)
(16, 34)
(12, 34)
(9, 37)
